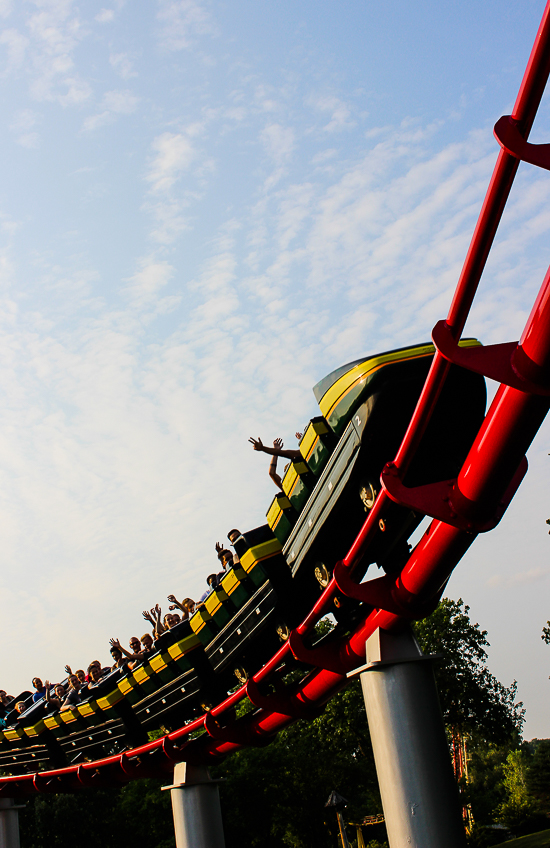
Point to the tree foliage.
(471, 697)
(518, 805)
(121, 817)
(538, 775)
(275, 796)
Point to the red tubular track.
(478, 493)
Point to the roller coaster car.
(366, 407)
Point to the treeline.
(275, 795)
(511, 786)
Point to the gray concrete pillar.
(196, 808)
(9, 823)
(419, 794)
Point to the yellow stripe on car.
(260, 552)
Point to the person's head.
(116, 654)
(176, 618)
(233, 534)
(81, 674)
(37, 683)
(134, 644)
(3, 696)
(74, 682)
(95, 673)
(211, 580)
(226, 558)
(20, 707)
(59, 690)
(189, 605)
(147, 641)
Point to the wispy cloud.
(169, 220)
(16, 46)
(173, 154)
(278, 142)
(105, 16)
(22, 126)
(340, 113)
(114, 103)
(55, 31)
(146, 283)
(532, 575)
(123, 65)
(182, 21)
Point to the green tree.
(538, 775)
(122, 817)
(472, 699)
(275, 796)
(482, 716)
(485, 790)
(518, 806)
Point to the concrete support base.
(9, 823)
(419, 793)
(196, 808)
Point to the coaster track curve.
(470, 502)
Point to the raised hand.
(115, 643)
(298, 435)
(68, 669)
(278, 444)
(257, 443)
(173, 599)
(147, 616)
(219, 549)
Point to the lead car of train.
(284, 564)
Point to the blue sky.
(204, 208)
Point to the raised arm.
(274, 451)
(277, 444)
(176, 604)
(115, 643)
(159, 627)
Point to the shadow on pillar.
(196, 808)
(9, 823)
(419, 794)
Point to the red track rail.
(461, 508)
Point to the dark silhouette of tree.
(472, 699)
(538, 775)
(275, 795)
